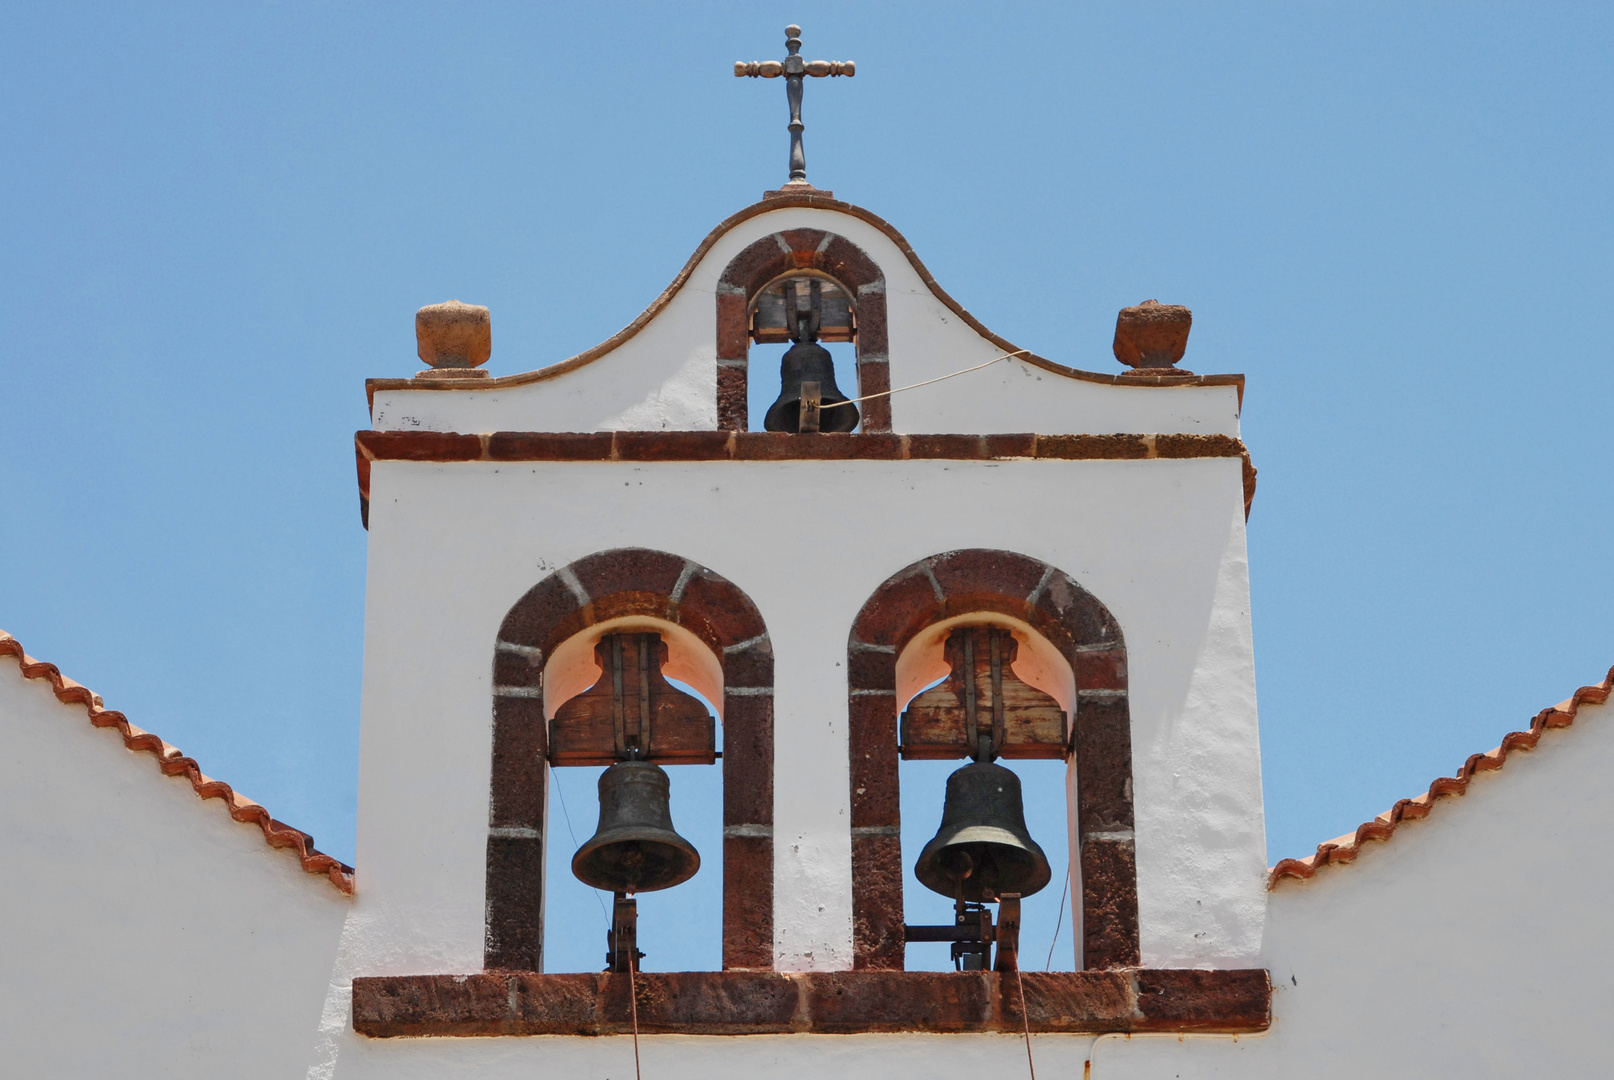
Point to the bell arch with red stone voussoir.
(984, 581)
(766, 260)
(603, 586)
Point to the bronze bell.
(982, 849)
(635, 849)
(808, 361)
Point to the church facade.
(974, 553)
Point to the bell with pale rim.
(635, 848)
(983, 849)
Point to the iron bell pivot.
(635, 849)
(983, 848)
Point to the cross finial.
(793, 68)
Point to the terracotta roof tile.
(276, 834)
(1343, 849)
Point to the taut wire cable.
(1059, 921)
(927, 382)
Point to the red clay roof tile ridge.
(1344, 849)
(277, 834)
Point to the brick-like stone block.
(1064, 603)
(515, 904)
(733, 326)
(1011, 445)
(1091, 447)
(562, 1004)
(1197, 446)
(872, 745)
(803, 241)
(549, 446)
(1073, 1001)
(872, 337)
(1109, 904)
(715, 1003)
(871, 669)
(517, 669)
(982, 571)
(1187, 1000)
(641, 570)
(420, 445)
(720, 604)
(874, 378)
(535, 620)
(849, 264)
(947, 447)
(749, 667)
(430, 1005)
(877, 914)
(857, 1001)
(758, 264)
(747, 759)
(1100, 670)
(1103, 736)
(747, 902)
(520, 743)
(672, 445)
(733, 397)
(899, 607)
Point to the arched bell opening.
(706, 633)
(932, 600)
(1035, 691)
(594, 706)
(805, 256)
(803, 325)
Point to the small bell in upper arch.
(806, 361)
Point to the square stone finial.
(1153, 336)
(454, 338)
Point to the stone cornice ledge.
(448, 446)
(838, 1003)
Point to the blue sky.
(219, 219)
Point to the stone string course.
(438, 446)
(845, 1002)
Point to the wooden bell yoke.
(983, 698)
(632, 712)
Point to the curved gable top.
(661, 372)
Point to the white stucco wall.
(1474, 943)
(1160, 542)
(664, 377)
(143, 932)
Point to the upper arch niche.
(774, 258)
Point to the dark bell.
(806, 361)
(635, 848)
(982, 846)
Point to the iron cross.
(793, 68)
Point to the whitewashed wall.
(664, 377)
(143, 933)
(1160, 542)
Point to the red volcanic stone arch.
(610, 585)
(780, 253)
(960, 583)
